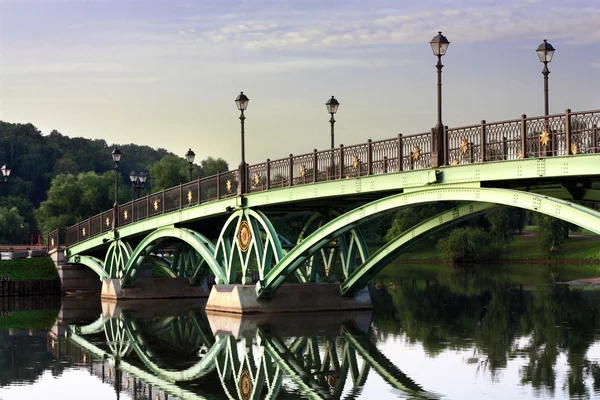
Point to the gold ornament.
(355, 162)
(107, 221)
(545, 137)
(520, 154)
(155, 205)
(244, 236)
(245, 385)
(464, 146)
(52, 242)
(256, 179)
(190, 197)
(125, 215)
(228, 185)
(416, 153)
(83, 232)
(302, 171)
(455, 162)
(574, 148)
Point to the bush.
(468, 244)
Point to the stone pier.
(152, 288)
(289, 298)
(73, 277)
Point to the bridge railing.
(545, 136)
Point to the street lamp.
(242, 103)
(189, 156)
(439, 45)
(5, 173)
(545, 52)
(137, 181)
(332, 106)
(116, 156)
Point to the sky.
(165, 73)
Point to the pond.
(487, 332)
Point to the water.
(493, 332)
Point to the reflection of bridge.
(131, 353)
(544, 164)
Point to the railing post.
(218, 185)
(147, 207)
(504, 148)
(445, 144)
(523, 136)
(400, 154)
(471, 153)
(594, 139)
(369, 157)
(291, 169)
(162, 207)
(268, 168)
(180, 196)
(315, 166)
(385, 164)
(199, 191)
(341, 161)
(567, 132)
(132, 211)
(483, 142)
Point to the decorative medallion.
(520, 154)
(245, 385)
(155, 205)
(107, 221)
(355, 162)
(574, 148)
(228, 185)
(416, 153)
(455, 162)
(52, 242)
(256, 179)
(125, 215)
(302, 171)
(464, 146)
(190, 197)
(83, 231)
(244, 236)
(545, 137)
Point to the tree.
(13, 228)
(467, 244)
(168, 172)
(551, 232)
(407, 217)
(211, 166)
(503, 222)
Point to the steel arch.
(390, 250)
(565, 210)
(95, 264)
(201, 244)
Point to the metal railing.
(545, 136)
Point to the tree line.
(57, 181)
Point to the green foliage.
(502, 223)
(211, 166)
(169, 171)
(468, 244)
(13, 227)
(37, 319)
(551, 233)
(407, 217)
(29, 268)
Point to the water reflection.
(314, 356)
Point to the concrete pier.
(152, 288)
(289, 298)
(73, 277)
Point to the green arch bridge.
(223, 225)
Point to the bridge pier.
(292, 297)
(152, 288)
(73, 277)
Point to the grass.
(29, 269)
(39, 319)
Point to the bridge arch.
(565, 210)
(197, 241)
(95, 264)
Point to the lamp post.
(189, 156)
(242, 103)
(545, 52)
(116, 156)
(439, 45)
(5, 173)
(332, 106)
(137, 182)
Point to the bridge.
(229, 225)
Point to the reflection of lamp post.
(242, 103)
(137, 182)
(439, 45)
(545, 52)
(189, 156)
(332, 106)
(5, 173)
(116, 156)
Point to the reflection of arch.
(197, 241)
(247, 237)
(392, 249)
(570, 212)
(95, 264)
